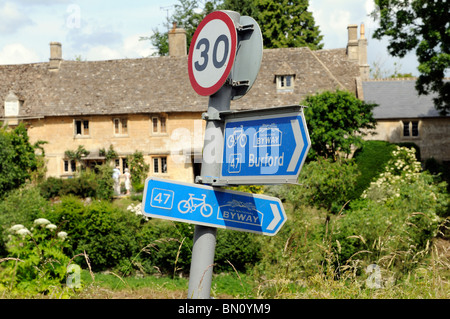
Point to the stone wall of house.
(433, 139)
(182, 137)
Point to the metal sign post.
(204, 246)
(211, 57)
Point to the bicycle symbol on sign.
(191, 204)
(238, 135)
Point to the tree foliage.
(422, 26)
(284, 23)
(336, 121)
(187, 17)
(17, 158)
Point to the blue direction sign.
(214, 207)
(264, 146)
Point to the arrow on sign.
(276, 217)
(298, 146)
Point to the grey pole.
(205, 237)
(204, 245)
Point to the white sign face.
(212, 53)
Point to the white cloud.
(12, 19)
(102, 52)
(133, 48)
(16, 53)
(41, 2)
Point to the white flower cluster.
(402, 168)
(44, 223)
(137, 209)
(20, 230)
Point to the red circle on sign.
(198, 87)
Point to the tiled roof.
(398, 99)
(161, 84)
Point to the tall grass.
(307, 265)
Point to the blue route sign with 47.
(211, 206)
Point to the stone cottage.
(148, 105)
(405, 116)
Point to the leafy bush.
(51, 187)
(138, 168)
(106, 233)
(166, 247)
(397, 215)
(36, 263)
(21, 206)
(336, 121)
(105, 184)
(17, 158)
(241, 249)
(86, 184)
(371, 159)
(323, 183)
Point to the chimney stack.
(55, 56)
(352, 45)
(362, 54)
(177, 41)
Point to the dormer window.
(284, 78)
(285, 82)
(12, 105)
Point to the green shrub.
(336, 121)
(166, 247)
(241, 249)
(21, 206)
(51, 187)
(397, 217)
(86, 184)
(105, 232)
(17, 158)
(105, 183)
(36, 263)
(322, 183)
(110, 235)
(371, 160)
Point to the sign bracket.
(245, 28)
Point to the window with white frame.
(81, 128)
(285, 82)
(120, 126)
(410, 129)
(159, 125)
(160, 165)
(70, 166)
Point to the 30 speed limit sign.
(212, 53)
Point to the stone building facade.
(148, 105)
(404, 116)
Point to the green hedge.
(371, 160)
(86, 184)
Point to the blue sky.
(103, 30)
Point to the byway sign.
(266, 146)
(210, 206)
